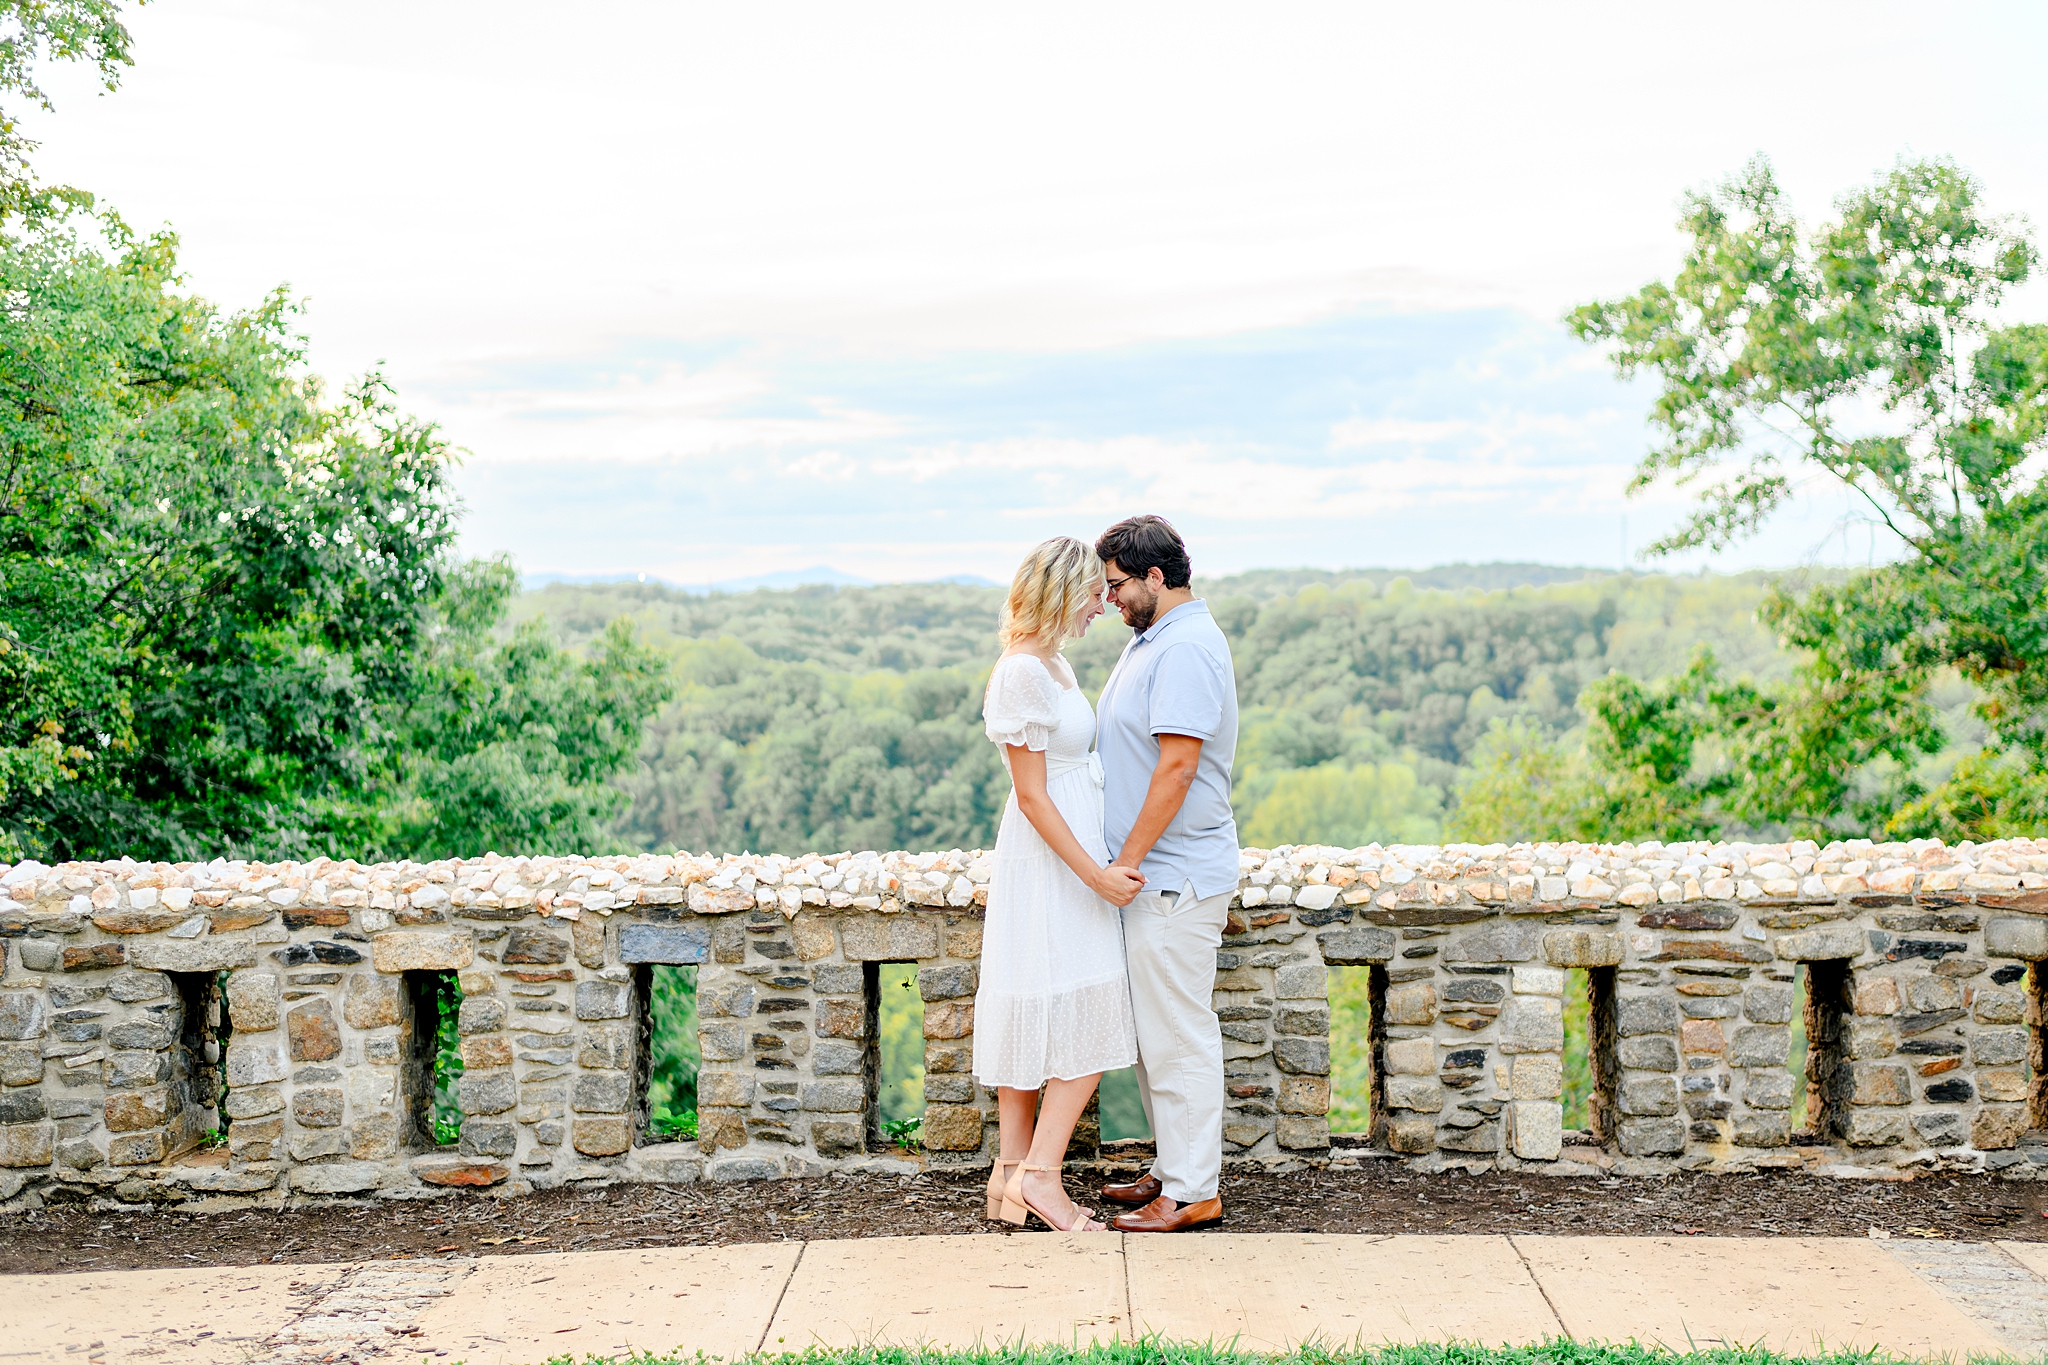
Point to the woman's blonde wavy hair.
(1050, 589)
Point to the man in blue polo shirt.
(1166, 729)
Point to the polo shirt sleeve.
(1188, 691)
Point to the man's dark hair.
(1141, 544)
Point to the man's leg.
(1172, 953)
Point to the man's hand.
(1179, 756)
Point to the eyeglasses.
(1115, 583)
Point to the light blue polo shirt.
(1175, 678)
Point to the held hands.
(1118, 885)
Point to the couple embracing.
(1113, 874)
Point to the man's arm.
(1171, 778)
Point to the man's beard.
(1139, 615)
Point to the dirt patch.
(1379, 1197)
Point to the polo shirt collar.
(1195, 608)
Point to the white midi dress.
(1054, 998)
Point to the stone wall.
(145, 1005)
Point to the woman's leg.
(1018, 1111)
(1064, 1101)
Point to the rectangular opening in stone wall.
(667, 1057)
(1355, 1031)
(896, 1107)
(1603, 1061)
(196, 1115)
(1578, 1052)
(433, 1058)
(1828, 1008)
(1122, 1108)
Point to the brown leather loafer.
(1140, 1191)
(1162, 1215)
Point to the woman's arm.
(1117, 885)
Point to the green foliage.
(1350, 1050)
(1868, 349)
(904, 1133)
(673, 1052)
(230, 623)
(900, 1040)
(447, 1058)
(35, 31)
(1578, 1035)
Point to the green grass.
(1154, 1352)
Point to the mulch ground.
(1379, 1197)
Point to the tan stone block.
(718, 1128)
(606, 1135)
(311, 1030)
(841, 1019)
(1305, 1095)
(587, 932)
(963, 938)
(2001, 1084)
(26, 1145)
(946, 1060)
(422, 951)
(371, 1000)
(952, 1128)
(1411, 1134)
(1998, 1126)
(486, 1050)
(1243, 1134)
(253, 1005)
(1877, 995)
(136, 1149)
(1297, 1133)
(1701, 1036)
(1537, 1076)
(20, 1063)
(1411, 1057)
(138, 921)
(374, 1137)
(1411, 1003)
(813, 938)
(130, 1110)
(949, 1019)
(1879, 1083)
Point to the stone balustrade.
(293, 1007)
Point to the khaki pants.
(1171, 947)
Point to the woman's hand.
(1118, 885)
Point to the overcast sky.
(710, 291)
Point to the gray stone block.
(679, 944)
(1512, 942)
(1532, 1023)
(1581, 948)
(22, 1016)
(1302, 1056)
(2023, 937)
(1760, 1045)
(1635, 1015)
(602, 1000)
(1649, 1096)
(1768, 1004)
(480, 1014)
(946, 983)
(1827, 943)
(337, 1177)
(136, 1070)
(489, 1092)
(1942, 1128)
(1767, 1089)
(830, 1058)
(154, 953)
(1351, 947)
(1652, 1053)
(489, 1137)
(836, 978)
(602, 1092)
(1651, 1136)
(841, 1096)
(1998, 1046)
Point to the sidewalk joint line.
(1537, 1280)
(1123, 1253)
(769, 1325)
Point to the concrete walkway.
(1267, 1292)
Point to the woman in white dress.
(1054, 1005)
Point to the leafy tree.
(1867, 349)
(32, 31)
(230, 619)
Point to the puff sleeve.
(1022, 706)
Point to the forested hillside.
(849, 718)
